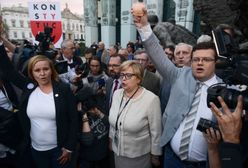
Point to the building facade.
(111, 20)
(17, 20)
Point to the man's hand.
(139, 13)
(230, 123)
(213, 138)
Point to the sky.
(76, 6)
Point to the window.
(73, 26)
(21, 23)
(81, 28)
(28, 24)
(30, 35)
(68, 26)
(23, 35)
(13, 23)
(15, 34)
(77, 27)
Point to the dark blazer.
(109, 85)
(66, 115)
(77, 61)
(151, 82)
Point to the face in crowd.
(131, 75)
(68, 49)
(95, 66)
(112, 51)
(114, 67)
(88, 56)
(142, 59)
(101, 45)
(169, 53)
(41, 70)
(182, 55)
(203, 64)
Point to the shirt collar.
(69, 61)
(210, 81)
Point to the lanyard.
(119, 114)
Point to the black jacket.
(66, 115)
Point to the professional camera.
(234, 66)
(28, 50)
(89, 99)
(45, 39)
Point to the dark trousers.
(10, 161)
(103, 163)
(48, 159)
(18, 160)
(171, 160)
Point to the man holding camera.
(184, 145)
(233, 149)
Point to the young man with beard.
(114, 82)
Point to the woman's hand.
(65, 156)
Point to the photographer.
(230, 125)
(94, 135)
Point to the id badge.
(116, 139)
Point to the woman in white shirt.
(47, 112)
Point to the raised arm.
(165, 67)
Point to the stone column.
(184, 13)
(91, 20)
(128, 30)
(108, 22)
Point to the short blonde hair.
(38, 58)
(137, 68)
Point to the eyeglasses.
(203, 59)
(127, 75)
(113, 65)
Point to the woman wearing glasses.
(135, 121)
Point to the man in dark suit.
(67, 54)
(150, 80)
(188, 96)
(113, 83)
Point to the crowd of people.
(133, 107)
